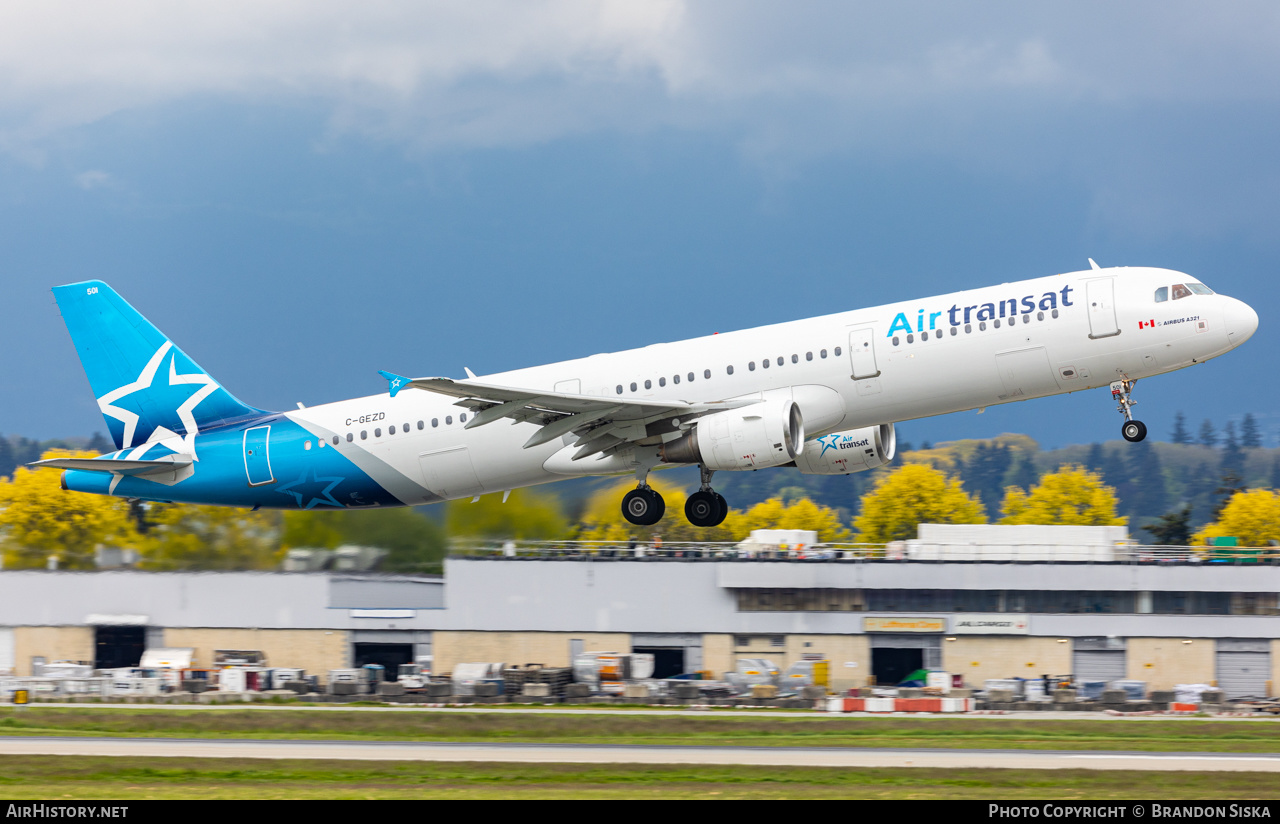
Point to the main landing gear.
(706, 507)
(1133, 431)
(643, 506)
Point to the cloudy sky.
(302, 193)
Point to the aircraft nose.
(1240, 320)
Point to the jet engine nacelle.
(763, 434)
(853, 450)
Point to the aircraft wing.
(601, 423)
(113, 465)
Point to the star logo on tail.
(168, 404)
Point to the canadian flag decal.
(1146, 324)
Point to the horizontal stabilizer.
(114, 465)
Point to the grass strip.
(54, 778)
(954, 733)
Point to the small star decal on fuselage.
(315, 490)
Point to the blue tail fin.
(147, 388)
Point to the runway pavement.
(605, 754)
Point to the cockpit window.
(1199, 289)
(1162, 294)
(1180, 291)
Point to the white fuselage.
(848, 370)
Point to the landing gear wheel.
(703, 508)
(1133, 431)
(724, 509)
(643, 507)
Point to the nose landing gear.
(1121, 392)
(706, 507)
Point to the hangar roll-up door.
(674, 653)
(894, 657)
(1243, 666)
(1099, 659)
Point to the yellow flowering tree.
(911, 495)
(38, 519)
(801, 513)
(1072, 495)
(1252, 516)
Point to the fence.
(896, 552)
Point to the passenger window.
(1039, 315)
(306, 445)
(462, 418)
(808, 356)
(953, 332)
(435, 422)
(837, 350)
(377, 433)
(1026, 318)
(1055, 313)
(619, 389)
(982, 327)
(364, 434)
(728, 370)
(675, 378)
(822, 354)
(406, 427)
(751, 366)
(895, 340)
(320, 443)
(765, 363)
(448, 420)
(690, 377)
(706, 374)
(420, 426)
(633, 386)
(997, 323)
(911, 338)
(795, 358)
(1180, 291)
(350, 437)
(781, 360)
(1162, 294)
(968, 327)
(662, 381)
(648, 384)
(924, 336)
(391, 430)
(336, 440)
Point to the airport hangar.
(1162, 623)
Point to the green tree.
(1180, 433)
(1252, 516)
(1072, 495)
(1173, 528)
(1250, 436)
(1208, 435)
(911, 495)
(414, 542)
(38, 519)
(526, 515)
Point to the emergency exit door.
(1100, 295)
(862, 353)
(257, 459)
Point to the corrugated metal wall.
(1243, 666)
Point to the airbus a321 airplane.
(821, 395)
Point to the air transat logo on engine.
(839, 441)
(958, 315)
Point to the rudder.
(147, 388)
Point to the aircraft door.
(449, 473)
(862, 353)
(257, 458)
(573, 386)
(1100, 295)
